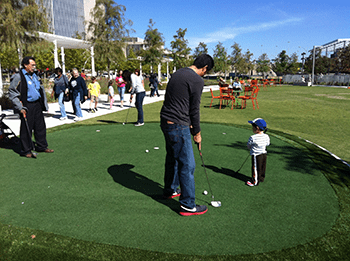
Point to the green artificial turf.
(104, 188)
(315, 113)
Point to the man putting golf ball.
(180, 119)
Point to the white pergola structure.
(68, 43)
(328, 47)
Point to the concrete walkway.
(52, 116)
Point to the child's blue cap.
(261, 123)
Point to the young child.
(110, 93)
(257, 144)
(94, 90)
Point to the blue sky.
(262, 27)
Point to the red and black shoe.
(197, 210)
(175, 194)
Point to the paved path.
(52, 116)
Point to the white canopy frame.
(68, 43)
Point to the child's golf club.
(243, 163)
(127, 115)
(213, 202)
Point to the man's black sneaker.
(95, 109)
(197, 210)
(177, 193)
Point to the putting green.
(103, 187)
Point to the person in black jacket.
(29, 100)
(180, 117)
(80, 92)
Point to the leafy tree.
(344, 58)
(220, 59)
(79, 58)
(249, 66)
(241, 63)
(109, 29)
(43, 53)
(154, 42)
(323, 64)
(237, 59)
(132, 63)
(20, 22)
(180, 49)
(200, 49)
(281, 63)
(263, 64)
(294, 65)
(8, 60)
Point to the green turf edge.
(17, 244)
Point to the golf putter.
(30, 137)
(213, 202)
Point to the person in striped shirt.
(257, 145)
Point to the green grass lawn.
(313, 113)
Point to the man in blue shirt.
(29, 100)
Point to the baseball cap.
(261, 123)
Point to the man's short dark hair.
(26, 59)
(58, 69)
(204, 60)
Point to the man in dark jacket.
(179, 119)
(29, 100)
(78, 87)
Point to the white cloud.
(230, 33)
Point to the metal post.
(313, 67)
(93, 73)
(63, 63)
(1, 86)
(55, 54)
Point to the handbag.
(66, 97)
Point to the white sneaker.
(139, 124)
(78, 118)
(63, 118)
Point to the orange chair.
(213, 97)
(265, 83)
(252, 96)
(254, 84)
(226, 95)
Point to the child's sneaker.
(197, 210)
(250, 184)
(95, 109)
(177, 193)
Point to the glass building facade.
(66, 17)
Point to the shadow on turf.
(123, 175)
(229, 172)
(12, 144)
(296, 159)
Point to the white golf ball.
(156, 148)
(97, 130)
(205, 192)
(123, 123)
(147, 151)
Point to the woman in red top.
(121, 87)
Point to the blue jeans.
(139, 101)
(154, 90)
(179, 163)
(77, 105)
(60, 102)
(121, 91)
